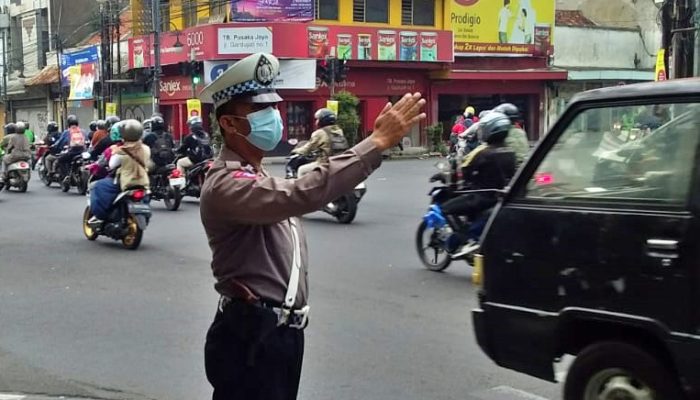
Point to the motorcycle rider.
(491, 168)
(517, 138)
(327, 140)
(75, 139)
(161, 143)
(29, 133)
(195, 147)
(92, 129)
(100, 132)
(109, 139)
(16, 147)
(52, 136)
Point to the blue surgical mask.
(265, 128)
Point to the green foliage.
(434, 133)
(348, 118)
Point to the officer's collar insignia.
(263, 71)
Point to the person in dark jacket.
(196, 147)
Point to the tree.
(348, 119)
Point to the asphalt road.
(90, 319)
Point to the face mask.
(265, 128)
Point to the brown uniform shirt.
(246, 216)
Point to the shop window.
(326, 9)
(299, 120)
(370, 11)
(418, 12)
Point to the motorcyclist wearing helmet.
(73, 137)
(517, 138)
(52, 136)
(108, 140)
(92, 129)
(491, 168)
(327, 140)
(15, 146)
(100, 132)
(196, 147)
(29, 133)
(161, 143)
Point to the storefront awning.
(542, 74)
(47, 76)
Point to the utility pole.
(4, 75)
(332, 64)
(696, 39)
(61, 95)
(155, 10)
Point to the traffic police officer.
(254, 347)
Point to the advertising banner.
(519, 27)
(194, 108)
(82, 79)
(111, 109)
(272, 11)
(660, 73)
(86, 55)
(294, 74)
(332, 105)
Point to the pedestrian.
(255, 345)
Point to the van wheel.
(618, 370)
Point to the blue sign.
(217, 70)
(83, 56)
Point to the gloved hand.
(434, 218)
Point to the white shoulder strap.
(293, 285)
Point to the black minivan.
(594, 250)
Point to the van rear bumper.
(517, 338)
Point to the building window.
(418, 12)
(299, 121)
(370, 11)
(326, 9)
(189, 12)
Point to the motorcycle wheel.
(172, 198)
(22, 186)
(346, 208)
(44, 176)
(82, 186)
(134, 234)
(434, 263)
(65, 186)
(89, 233)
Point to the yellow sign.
(501, 26)
(111, 109)
(332, 105)
(194, 108)
(660, 74)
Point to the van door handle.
(662, 244)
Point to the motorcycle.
(344, 208)
(78, 174)
(440, 244)
(45, 175)
(166, 185)
(17, 176)
(128, 219)
(194, 179)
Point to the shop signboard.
(294, 74)
(272, 11)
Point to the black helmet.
(52, 127)
(111, 120)
(147, 124)
(494, 127)
(10, 128)
(195, 123)
(93, 126)
(26, 124)
(157, 123)
(131, 130)
(325, 117)
(510, 110)
(101, 124)
(72, 120)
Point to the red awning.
(501, 75)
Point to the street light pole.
(155, 11)
(4, 75)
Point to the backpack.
(163, 149)
(339, 143)
(202, 151)
(76, 137)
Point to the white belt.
(293, 286)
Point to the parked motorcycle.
(128, 219)
(439, 244)
(344, 208)
(78, 174)
(166, 185)
(17, 176)
(194, 179)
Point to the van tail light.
(176, 174)
(478, 270)
(138, 195)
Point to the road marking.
(11, 396)
(506, 393)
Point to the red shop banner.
(288, 40)
(176, 88)
(372, 83)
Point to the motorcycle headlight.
(86, 155)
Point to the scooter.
(194, 179)
(344, 208)
(128, 219)
(17, 176)
(167, 184)
(78, 174)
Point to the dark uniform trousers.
(248, 357)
